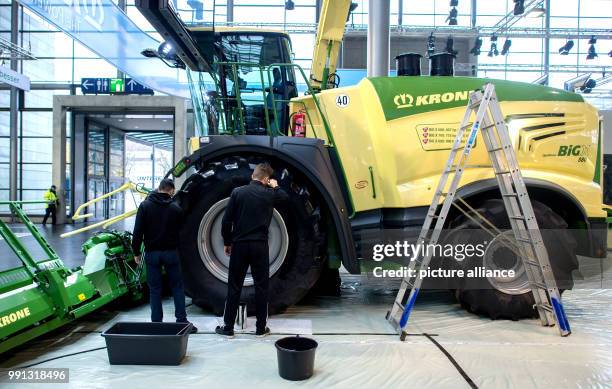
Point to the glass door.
(96, 168)
(116, 176)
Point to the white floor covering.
(356, 347)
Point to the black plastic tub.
(408, 64)
(131, 343)
(296, 356)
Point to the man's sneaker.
(262, 333)
(227, 332)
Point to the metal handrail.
(8, 202)
(112, 220)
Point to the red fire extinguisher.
(298, 127)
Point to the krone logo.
(405, 100)
(12, 317)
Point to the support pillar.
(379, 37)
(180, 135)
(58, 172)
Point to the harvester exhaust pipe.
(408, 64)
(442, 64)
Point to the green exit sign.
(117, 85)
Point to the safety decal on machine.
(438, 136)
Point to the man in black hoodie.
(158, 223)
(245, 235)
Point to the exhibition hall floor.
(450, 348)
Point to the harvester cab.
(241, 80)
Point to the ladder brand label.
(14, 316)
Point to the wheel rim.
(498, 256)
(210, 243)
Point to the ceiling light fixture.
(506, 47)
(431, 44)
(592, 53)
(449, 46)
(452, 15)
(519, 7)
(477, 46)
(565, 49)
(493, 50)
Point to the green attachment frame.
(31, 266)
(43, 295)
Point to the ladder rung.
(546, 307)
(453, 168)
(530, 262)
(540, 285)
(400, 305)
(509, 195)
(524, 240)
(518, 218)
(478, 166)
(503, 172)
(495, 149)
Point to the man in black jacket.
(158, 223)
(245, 235)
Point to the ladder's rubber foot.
(403, 336)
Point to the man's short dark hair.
(263, 170)
(166, 184)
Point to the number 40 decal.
(342, 101)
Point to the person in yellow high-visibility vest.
(50, 197)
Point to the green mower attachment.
(43, 294)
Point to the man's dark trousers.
(170, 261)
(244, 254)
(51, 210)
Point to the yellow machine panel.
(393, 137)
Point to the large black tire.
(489, 301)
(302, 264)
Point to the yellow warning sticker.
(81, 296)
(439, 136)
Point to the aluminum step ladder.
(489, 120)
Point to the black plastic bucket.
(296, 356)
(408, 64)
(147, 343)
(442, 64)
